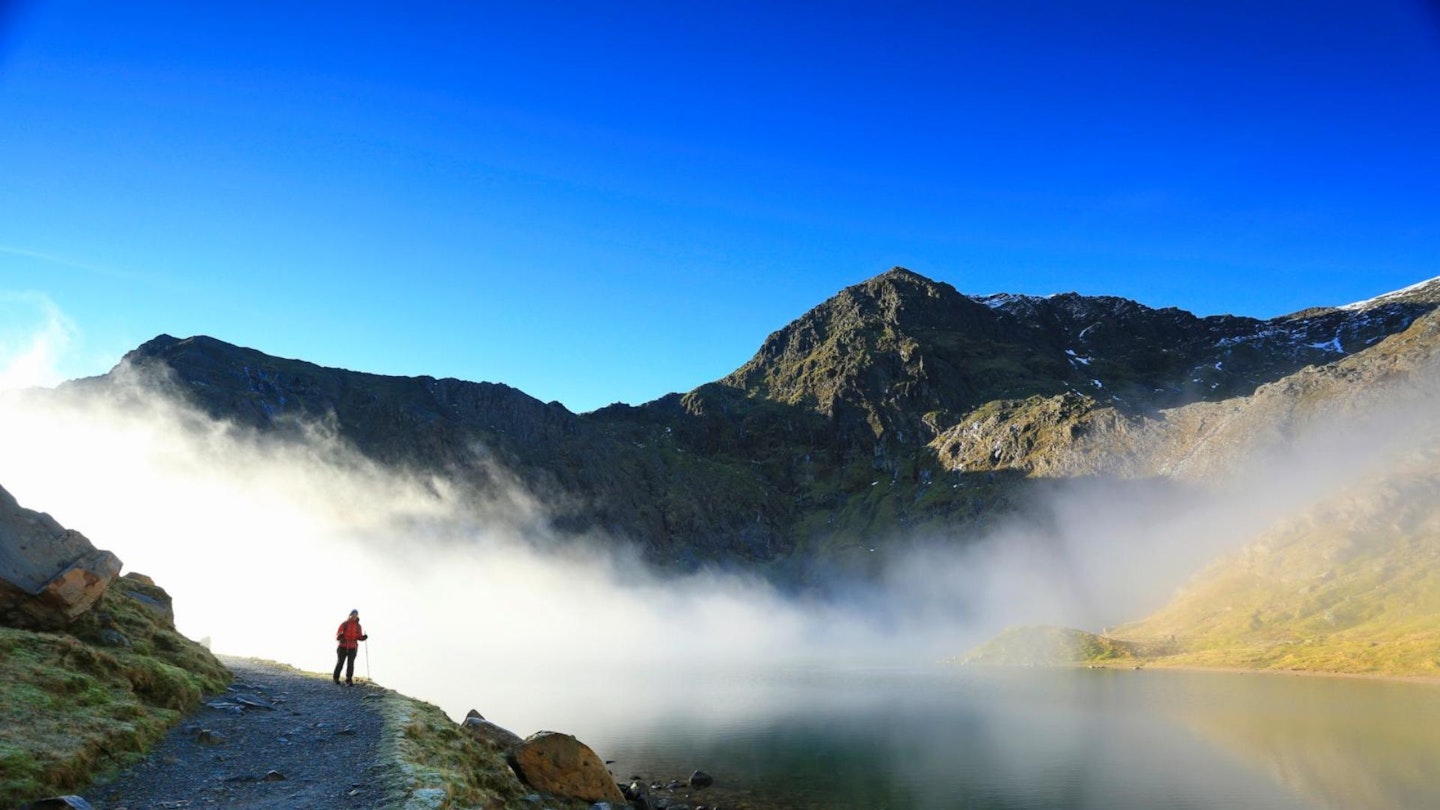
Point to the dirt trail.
(276, 738)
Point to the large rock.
(560, 764)
(49, 575)
(492, 736)
(150, 596)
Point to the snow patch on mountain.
(1428, 286)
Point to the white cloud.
(35, 336)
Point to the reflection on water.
(1337, 742)
(1034, 739)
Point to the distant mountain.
(899, 407)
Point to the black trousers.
(345, 658)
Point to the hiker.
(349, 637)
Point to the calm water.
(1040, 739)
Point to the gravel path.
(278, 738)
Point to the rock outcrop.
(492, 736)
(153, 597)
(49, 575)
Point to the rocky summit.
(901, 407)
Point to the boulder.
(49, 575)
(150, 596)
(560, 764)
(494, 737)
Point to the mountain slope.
(1203, 440)
(1005, 382)
(1348, 579)
(1351, 586)
(906, 355)
(1353, 582)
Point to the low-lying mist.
(266, 545)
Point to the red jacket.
(350, 633)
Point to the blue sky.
(599, 202)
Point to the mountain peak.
(903, 281)
(164, 348)
(897, 272)
(875, 355)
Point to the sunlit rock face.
(49, 575)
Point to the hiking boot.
(349, 683)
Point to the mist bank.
(266, 544)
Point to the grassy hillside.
(1353, 586)
(72, 707)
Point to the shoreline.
(1427, 680)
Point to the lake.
(1020, 739)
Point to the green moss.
(71, 709)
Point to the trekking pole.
(367, 663)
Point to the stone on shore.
(560, 764)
